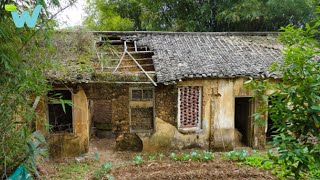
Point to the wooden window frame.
(198, 127)
(72, 110)
(136, 104)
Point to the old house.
(153, 90)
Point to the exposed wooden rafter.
(137, 63)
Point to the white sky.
(72, 16)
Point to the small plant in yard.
(103, 171)
(206, 156)
(173, 157)
(138, 160)
(185, 157)
(194, 156)
(160, 156)
(236, 155)
(152, 157)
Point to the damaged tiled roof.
(224, 55)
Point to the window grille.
(142, 95)
(189, 106)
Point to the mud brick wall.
(166, 101)
(142, 118)
(117, 97)
(102, 111)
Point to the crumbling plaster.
(218, 108)
(68, 144)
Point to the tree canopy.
(198, 15)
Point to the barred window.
(142, 95)
(142, 109)
(189, 109)
(60, 115)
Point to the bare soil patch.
(161, 168)
(216, 169)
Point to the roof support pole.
(124, 53)
(154, 83)
(122, 57)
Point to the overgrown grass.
(75, 169)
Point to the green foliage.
(193, 156)
(267, 161)
(295, 100)
(198, 15)
(152, 157)
(265, 15)
(24, 55)
(74, 169)
(102, 15)
(103, 171)
(236, 155)
(138, 160)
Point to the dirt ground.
(216, 169)
(102, 151)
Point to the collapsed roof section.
(123, 57)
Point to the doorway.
(243, 122)
(102, 118)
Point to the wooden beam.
(154, 83)
(124, 53)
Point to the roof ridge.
(186, 33)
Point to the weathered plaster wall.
(218, 111)
(69, 144)
(217, 116)
(167, 136)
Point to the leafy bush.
(268, 161)
(295, 109)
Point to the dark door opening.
(102, 118)
(243, 119)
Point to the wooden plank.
(154, 83)
(138, 52)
